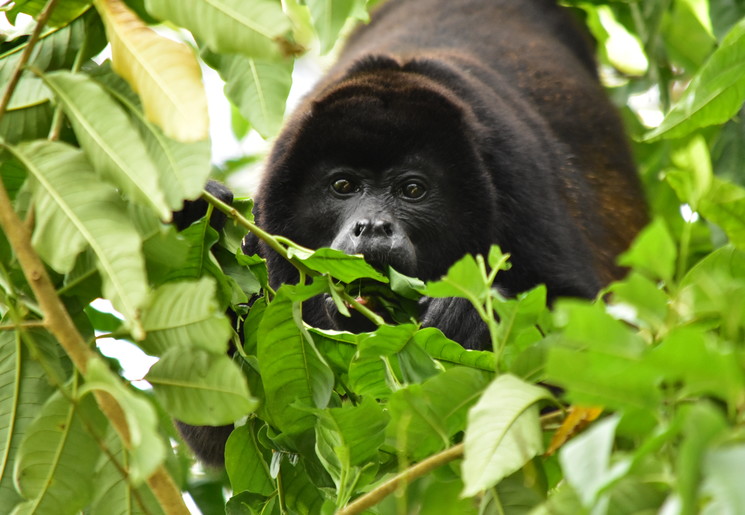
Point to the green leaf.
(57, 48)
(424, 417)
(681, 354)
(111, 142)
(441, 348)
(61, 15)
(715, 94)
(247, 469)
(704, 427)
(146, 448)
(330, 16)
(112, 492)
(653, 251)
(75, 209)
(200, 388)
(725, 206)
(346, 268)
(586, 460)
(464, 279)
(185, 314)
(24, 389)
(293, 372)
(164, 72)
(722, 469)
(54, 463)
(183, 168)
(255, 28)
(360, 429)
(503, 433)
(259, 88)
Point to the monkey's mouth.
(373, 297)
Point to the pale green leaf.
(715, 94)
(74, 210)
(503, 432)
(259, 89)
(57, 456)
(165, 73)
(183, 168)
(110, 140)
(24, 388)
(146, 449)
(201, 388)
(256, 28)
(113, 494)
(183, 314)
(586, 459)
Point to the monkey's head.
(381, 165)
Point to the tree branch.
(56, 317)
(373, 497)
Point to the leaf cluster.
(96, 157)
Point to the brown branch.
(56, 317)
(373, 497)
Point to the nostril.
(360, 227)
(384, 227)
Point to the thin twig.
(374, 497)
(280, 249)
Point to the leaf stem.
(280, 249)
(373, 497)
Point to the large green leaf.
(185, 314)
(113, 493)
(714, 95)
(426, 416)
(229, 26)
(245, 464)
(57, 455)
(293, 372)
(146, 450)
(75, 209)
(109, 138)
(164, 72)
(503, 432)
(24, 389)
(183, 168)
(57, 48)
(201, 388)
(259, 88)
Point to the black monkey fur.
(445, 127)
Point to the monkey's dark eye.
(344, 186)
(413, 190)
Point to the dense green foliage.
(94, 164)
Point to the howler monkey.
(446, 127)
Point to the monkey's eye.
(344, 186)
(413, 190)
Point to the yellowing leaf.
(165, 73)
